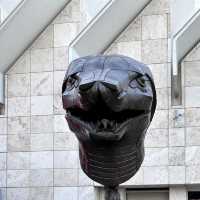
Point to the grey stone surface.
(159, 22)
(156, 138)
(18, 193)
(42, 105)
(18, 160)
(154, 51)
(176, 137)
(41, 177)
(42, 60)
(18, 178)
(18, 85)
(66, 159)
(41, 83)
(156, 175)
(62, 192)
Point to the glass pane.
(147, 195)
(194, 196)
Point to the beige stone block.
(176, 174)
(42, 105)
(65, 141)
(155, 175)
(62, 192)
(132, 32)
(41, 177)
(86, 193)
(160, 119)
(154, 51)
(66, 159)
(65, 177)
(20, 142)
(176, 137)
(3, 161)
(42, 124)
(192, 174)
(192, 117)
(157, 7)
(41, 60)
(160, 73)
(192, 155)
(18, 106)
(18, 194)
(41, 160)
(45, 40)
(192, 97)
(3, 178)
(83, 179)
(41, 142)
(156, 138)
(41, 193)
(57, 106)
(18, 160)
(3, 142)
(137, 179)
(64, 34)
(154, 26)
(22, 65)
(162, 98)
(155, 157)
(42, 83)
(18, 178)
(192, 136)
(71, 13)
(18, 85)
(176, 118)
(60, 124)
(192, 73)
(60, 58)
(176, 156)
(131, 49)
(58, 81)
(18, 125)
(194, 54)
(3, 126)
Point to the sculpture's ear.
(153, 108)
(148, 73)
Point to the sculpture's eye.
(138, 81)
(141, 81)
(71, 82)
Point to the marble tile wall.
(38, 153)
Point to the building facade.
(38, 153)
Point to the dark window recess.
(193, 195)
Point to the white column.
(122, 192)
(178, 193)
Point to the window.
(151, 194)
(194, 195)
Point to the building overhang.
(105, 27)
(21, 28)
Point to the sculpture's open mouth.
(104, 120)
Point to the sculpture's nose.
(97, 87)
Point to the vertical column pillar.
(178, 193)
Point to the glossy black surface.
(109, 102)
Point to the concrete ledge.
(105, 27)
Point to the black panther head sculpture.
(109, 102)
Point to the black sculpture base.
(111, 193)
